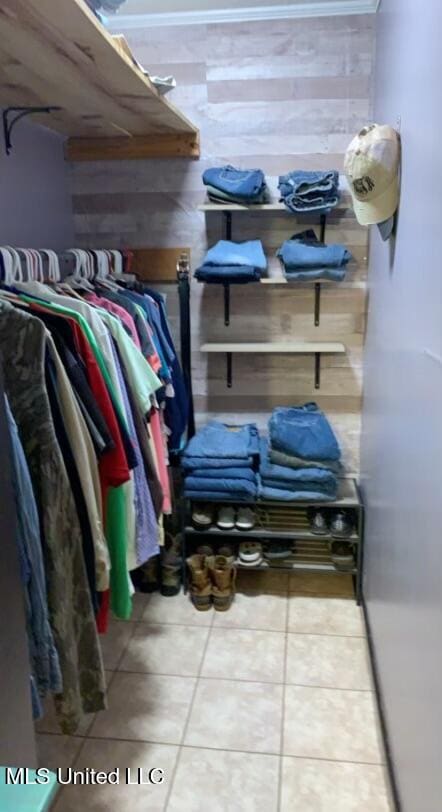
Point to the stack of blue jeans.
(303, 456)
(227, 184)
(230, 262)
(306, 192)
(219, 463)
(305, 258)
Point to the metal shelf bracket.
(20, 112)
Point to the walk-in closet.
(220, 357)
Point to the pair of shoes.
(278, 550)
(212, 581)
(227, 518)
(342, 555)
(338, 524)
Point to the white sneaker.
(202, 516)
(245, 519)
(226, 518)
(250, 553)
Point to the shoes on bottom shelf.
(342, 556)
(250, 554)
(212, 580)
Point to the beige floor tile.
(327, 786)
(245, 654)
(145, 706)
(255, 611)
(227, 782)
(331, 724)
(325, 616)
(114, 642)
(328, 661)
(178, 609)
(109, 755)
(57, 751)
(139, 603)
(236, 716)
(165, 649)
(306, 583)
(263, 582)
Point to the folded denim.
(219, 441)
(212, 463)
(304, 251)
(226, 486)
(333, 274)
(310, 483)
(216, 496)
(217, 196)
(281, 495)
(205, 474)
(226, 252)
(232, 274)
(290, 461)
(243, 183)
(292, 478)
(309, 191)
(303, 431)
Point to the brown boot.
(223, 575)
(200, 585)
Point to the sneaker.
(226, 518)
(245, 519)
(250, 553)
(202, 516)
(278, 550)
(342, 556)
(318, 522)
(341, 525)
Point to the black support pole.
(317, 370)
(183, 279)
(226, 304)
(229, 369)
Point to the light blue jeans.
(304, 432)
(226, 252)
(242, 183)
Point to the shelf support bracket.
(317, 370)
(227, 225)
(229, 369)
(20, 112)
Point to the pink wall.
(35, 204)
(402, 417)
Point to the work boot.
(200, 585)
(171, 566)
(223, 576)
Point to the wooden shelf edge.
(157, 145)
(276, 347)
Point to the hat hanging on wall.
(372, 168)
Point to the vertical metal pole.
(229, 369)
(226, 304)
(227, 225)
(322, 221)
(317, 303)
(183, 268)
(360, 554)
(317, 370)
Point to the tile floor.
(267, 707)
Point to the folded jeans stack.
(226, 184)
(303, 457)
(233, 262)
(219, 463)
(305, 258)
(309, 191)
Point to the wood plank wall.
(280, 95)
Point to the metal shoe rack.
(288, 521)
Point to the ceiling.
(175, 12)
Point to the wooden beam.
(156, 264)
(180, 145)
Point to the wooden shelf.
(277, 347)
(274, 206)
(59, 54)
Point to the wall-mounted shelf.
(317, 348)
(272, 206)
(61, 56)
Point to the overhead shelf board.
(277, 347)
(62, 56)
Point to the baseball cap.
(371, 165)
